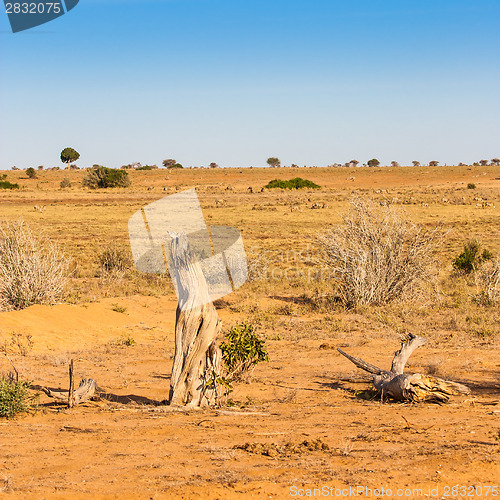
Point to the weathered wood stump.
(197, 358)
(84, 392)
(414, 387)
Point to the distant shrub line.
(296, 183)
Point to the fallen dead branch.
(414, 387)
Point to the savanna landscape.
(303, 418)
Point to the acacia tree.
(433, 163)
(394, 164)
(483, 163)
(214, 165)
(69, 155)
(273, 162)
(495, 161)
(373, 162)
(169, 163)
(416, 163)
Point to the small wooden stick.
(71, 396)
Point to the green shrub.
(103, 177)
(296, 183)
(241, 350)
(471, 257)
(471, 185)
(16, 398)
(147, 167)
(31, 172)
(8, 185)
(175, 165)
(127, 341)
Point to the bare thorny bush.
(378, 255)
(488, 282)
(32, 268)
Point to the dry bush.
(32, 268)
(488, 282)
(377, 255)
(113, 262)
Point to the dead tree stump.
(197, 358)
(414, 387)
(86, 390)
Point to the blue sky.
(236, 81)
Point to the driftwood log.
(414, 387)
(197, 358)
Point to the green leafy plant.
(471, 257)
(119, 309)
(31, 172)
(103, 177)
(241, 350)
(296, 183)
(128, 341)
(8, 185)
(16, 398)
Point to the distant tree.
(176, 165)
(40, 167)
(214, 165)
(483, 163)
(15, 168)
(416, 163)
(373, 162)
(273, 162)
(169, 163)
(495, 161)
(69, 155)
(394, 164)
(433, 163)
(31, 172)
(354, 163)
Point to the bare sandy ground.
(129, 445)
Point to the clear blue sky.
(236, 81)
